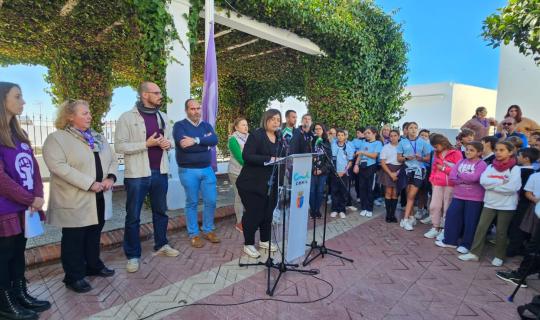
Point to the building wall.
(519, 83)
(465, 101)
(430, 105)
(446, 106)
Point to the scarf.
(502, 166)
(144, 109)
(90, 137)
(241, 137)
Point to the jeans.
(317, 192)
(136, 190)
(197, 180)
(462, 218)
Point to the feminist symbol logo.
(25, 169)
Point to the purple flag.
(210, 89)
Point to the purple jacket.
(466, 177)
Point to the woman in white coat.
(83, 170)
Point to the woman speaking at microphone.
(262, 146)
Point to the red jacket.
(447, 159)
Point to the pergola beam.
(219, 34)
(265, 31)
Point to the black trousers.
(80, 247)
(516, 236)
(366, 178)
(12, 263)
(340, 193)
(531, 262)
(258, 215)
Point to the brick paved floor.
(395, 275)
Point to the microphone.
(318, 141)
(278, 133)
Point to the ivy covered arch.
(91, 47)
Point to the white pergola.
(178, 72)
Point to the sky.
(444, 39)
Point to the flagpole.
(208, 20)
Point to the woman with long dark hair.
(20, 189)
(319, 177)
(523, 124)
(261, 146)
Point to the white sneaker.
(426, 220)
(419, 215)
(352, 208)
(369, 214)
(462, 249)
(333, 214)
(443, 245)
(363, 213)
(342, 215)
(252, 251)
(402, 223)
(497, 262)
(440, 237)
(432, 233)
(132, 265)
(264, 245)
(407, 225)
(412, 220)
(168, 251)
(468, 257)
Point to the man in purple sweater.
(144, 136)
(193, 139)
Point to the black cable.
(244, 302)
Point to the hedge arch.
(95, 46)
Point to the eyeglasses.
(158, 93)
(507, 123)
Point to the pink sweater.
(466, 178)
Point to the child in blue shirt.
(366, 167)
(342, 154)
(414, 152)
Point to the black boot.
(12, 310)
(26, 300)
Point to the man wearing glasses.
(509, 130)
(144, 136)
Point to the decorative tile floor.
(396, 275)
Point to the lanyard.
(414, 147)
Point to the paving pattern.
(396, 275)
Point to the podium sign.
(300, 184)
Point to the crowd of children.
(477, 186)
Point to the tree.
(518, 22)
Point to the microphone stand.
(314, 246)
(281, 266)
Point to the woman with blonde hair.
(83, 171)
(237, 140)
(385, 134)
(20, 189)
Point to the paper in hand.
(32, 224)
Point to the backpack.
(532, 309)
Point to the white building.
(519, 83)
(445, 107)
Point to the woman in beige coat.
(83, 171)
